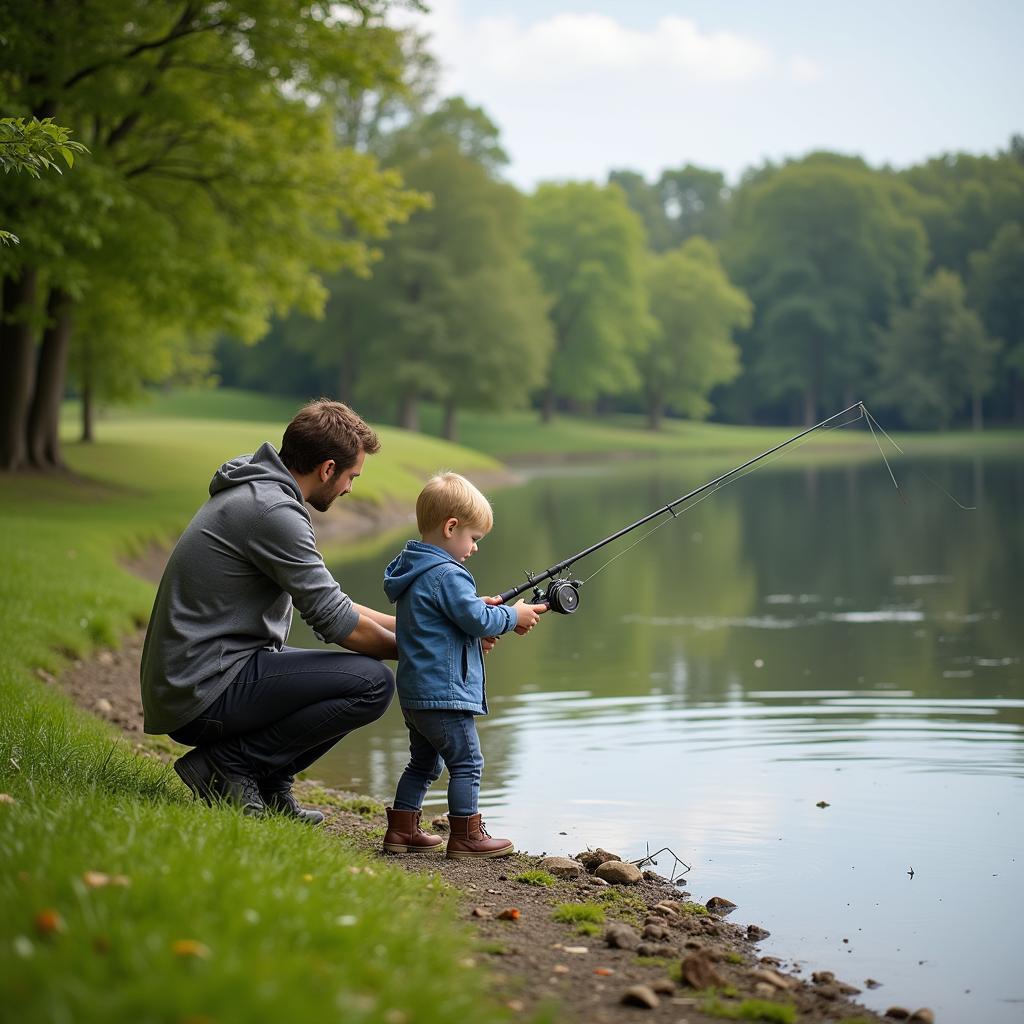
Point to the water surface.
(801, 636)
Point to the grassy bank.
(520, 436)
(123, 900)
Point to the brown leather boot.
(469, 838)
(404, 834)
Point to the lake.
(801, 637)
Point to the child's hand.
(527, 616)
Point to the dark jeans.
(436, 738)
(287, 709)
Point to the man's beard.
(322, 499)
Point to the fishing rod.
(563, 594)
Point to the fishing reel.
(562, 596)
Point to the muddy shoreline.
(654, 952)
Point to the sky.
(582, 87)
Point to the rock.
(764, 990)
(823, 977)
(657, 931)
(592, 859)
(846, 989)
(663, 986)
(481, 912)
(440, 823)
(617, 872)
(660, 949)
(641, 995)
(923, 1015)
(780, 981)
(621, 936)
(653, 876)
(599, 882)
(756, 933)
(822, 803)
(674, 905)
(827, 991)
(698, 971)
(871, 983)
(897, 1012)
(562, 867)
(720, 905)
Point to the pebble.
(923, 1016)
(871, 983)
(657, 931)
(756, 933)
(698, 971)
(764, 990)
(591, 859)
(656, 949)
(720, 905)
(562, 867)
(599, 882)
(663, 986)
(897, 1012)
(823, 977)
(617, 872)
(621, 936)
(641, 995)
(103, 706)
(780, 981)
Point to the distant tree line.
(277, 196)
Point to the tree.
(32, 146)
(587, 247)
(696, 310)
(457, 313)
(936, 357)
(825, 253)
(216, 169)
(682, 203)
(996, 291)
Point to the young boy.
(441, 622)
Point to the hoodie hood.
(412, 561)
(264, 466)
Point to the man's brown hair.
(323, 430)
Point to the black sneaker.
(212, 785)
(283, 801)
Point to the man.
(216, 674)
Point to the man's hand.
(527, 616)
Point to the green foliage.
(587, 248)
(696, 909)
(32, 145)
(574, 913)
(825, 251)
(538, 878)
(750, 1009)
(936, 356)
(697, 310)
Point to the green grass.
(577, 913)
(751, 1009)
(626, 905)
(539, 878)
(224, 918)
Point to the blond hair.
(450, 496)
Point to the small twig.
(649, 859)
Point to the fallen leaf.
(49, 921)
(511, 914)
(605, 972)
(190, 948)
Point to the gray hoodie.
(228, 589)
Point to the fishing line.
(718, 487)
(934, 483)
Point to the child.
(441, 622)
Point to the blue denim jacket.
(441, 621)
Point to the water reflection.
(802, 636)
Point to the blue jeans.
(288, 708)
(439, 738)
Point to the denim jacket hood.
(441, 621)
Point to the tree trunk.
(655, 410)
(547, 409)
(408, 416)
(51, 372)
(88, 408)
(17, 336)
(449, 432)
